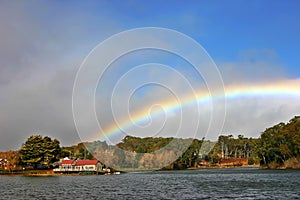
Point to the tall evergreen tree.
(39, 150)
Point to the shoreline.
(50, 173)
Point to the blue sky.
(43, 43)
(224, 29)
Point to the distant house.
(3, 163)
(233, 162)
(203, 163)
(70, 166)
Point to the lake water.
(199, 184)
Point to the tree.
(280, 143)
(190, 156)
(38, 150)
(11, 159)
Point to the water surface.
(197, 184)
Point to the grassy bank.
(26, 172)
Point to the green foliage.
(80, 151)
(191, 156)
(280, 143)
(143, 145)
(230, 147)
(186, 151)
(38, 150)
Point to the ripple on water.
(200, 184)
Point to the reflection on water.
(210, 183)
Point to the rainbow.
(285, 88)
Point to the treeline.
(145, 153)
(195, 152)
(171, 153)
(229, 147)
(278, 146)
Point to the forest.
(277, 147)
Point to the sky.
(43, 44)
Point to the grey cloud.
(40, 53)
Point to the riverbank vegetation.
(277, 147)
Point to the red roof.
(234, 160)
(86, 162)
(67, 162)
